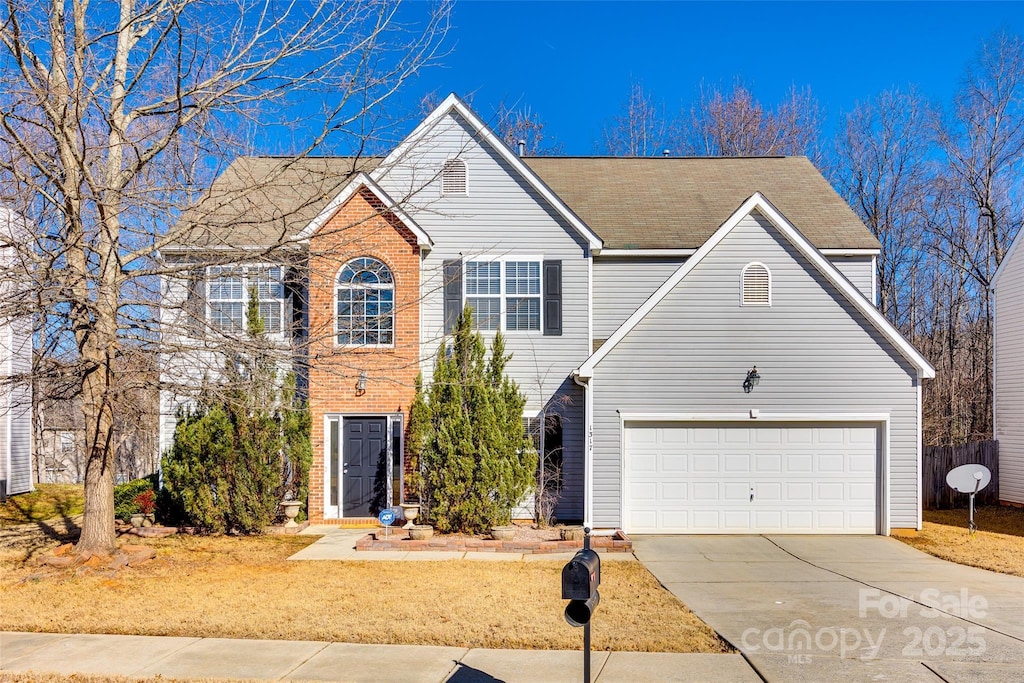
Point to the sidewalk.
(317, 661)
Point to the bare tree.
(114, 115)
(881, 168)
(736, 124)
(640, 130)
(522, 124)
(978, 207)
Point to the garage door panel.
(692, 478)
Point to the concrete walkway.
(317, 661)
(340, 544)
(846, 608)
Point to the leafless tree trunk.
(115, 114)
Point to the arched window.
(756, 285)
(453, 177)
(366, 304)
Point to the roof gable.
(451, 104)
(759, 203)
(358, 182)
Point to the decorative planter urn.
(138, 519)
(291, 511)
(503, 533)
(410, 511)
(421, 532)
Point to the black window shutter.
(553, 298)
(195, 298)
(452, 293)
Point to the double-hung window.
(504, 294)
(229, 289)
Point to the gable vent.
(756, 285)
(453, 177)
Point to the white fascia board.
(762, 417)
(647, 252)
(850, 252)
(758, 202)
(359, 181)
(453, 103)
(1006, 258)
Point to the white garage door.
(742, 478)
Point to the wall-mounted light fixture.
(752, 380)
(361, 384)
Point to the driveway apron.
(846, 608)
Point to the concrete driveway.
(846, 608)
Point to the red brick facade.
(361, 227)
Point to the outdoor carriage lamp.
(752, 380)
(361, 384)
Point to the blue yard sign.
(386, 517)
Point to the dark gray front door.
(365, 451)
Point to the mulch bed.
(526, 541)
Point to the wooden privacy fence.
(939, 460)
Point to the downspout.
(588, 449)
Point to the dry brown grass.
(244, 588)
(998, 544)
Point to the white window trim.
(503, 295)
(743, 278)
(244, 269)
(465, 167)
(394, 308)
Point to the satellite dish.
(969, 478)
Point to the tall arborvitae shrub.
(467, 440)
(245, 448)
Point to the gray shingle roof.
(262, 201)
(678, 202)
(632, 203)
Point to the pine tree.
(466, 436)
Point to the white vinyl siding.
(1009, 376)
(860, 271)
(622, 284)
(501, 217)
(816, 354)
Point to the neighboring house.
(1008, 371)
(15, 364)
(635, 296)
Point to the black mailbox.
(581, 576)
(580, 579)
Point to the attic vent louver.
(756, 285)
(453, 177)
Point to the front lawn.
(998, 544)
(231, 587)
(47, 502)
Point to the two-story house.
(699, 334)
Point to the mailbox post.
(580, 579)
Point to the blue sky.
(572, 62)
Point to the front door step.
(355, 522)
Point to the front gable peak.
(361, 181)
(453, 105)
(759, 203)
